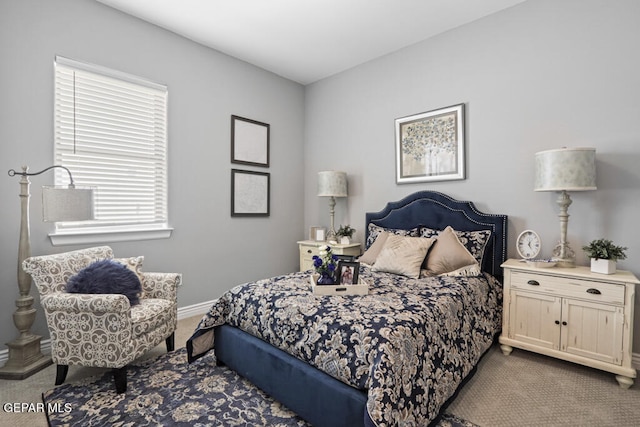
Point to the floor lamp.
(564, 170)
(59, 204)
(332, 184)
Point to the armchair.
(102, 330)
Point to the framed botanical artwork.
(348, 272)
(249, 142)
(250, 193)
(430, 146)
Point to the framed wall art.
(250, 193)
(430, 146)
(249, 142)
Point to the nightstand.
(309, 248)
(571, 314)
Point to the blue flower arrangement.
(325, 263)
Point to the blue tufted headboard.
(437, 210)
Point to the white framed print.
(430, 146)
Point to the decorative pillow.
(474, 241)
(448, 254)
(134, 264)
(402, 255)
(106, 277)
(374, 230)
(370, 255)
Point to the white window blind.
(111, 132)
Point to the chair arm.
(161, 285)
(85, 303)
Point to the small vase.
(326, 279)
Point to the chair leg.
(120, 378)
(61, 373)
(171, 340)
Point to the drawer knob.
(533, 283)
(309, 251)
(593, 291)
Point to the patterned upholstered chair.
(102, 330)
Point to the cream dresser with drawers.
(571, 314)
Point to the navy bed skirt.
(315, 396)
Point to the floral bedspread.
(409, 342)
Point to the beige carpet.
(523, 389)
(527, 389)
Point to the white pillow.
(403, 255)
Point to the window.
(111, 132)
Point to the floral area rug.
(167, 391)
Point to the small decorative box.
(362, 288)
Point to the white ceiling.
(307, 40)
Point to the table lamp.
(564, 170)
(332, 184)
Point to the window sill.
(107, 235)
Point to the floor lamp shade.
(332, 184)
(67, 204)
(569, 169)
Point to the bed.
(391, 357)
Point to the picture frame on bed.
(348, 272)
(430, 146)
(250, 193)
(249, 142)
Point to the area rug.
(167, 391)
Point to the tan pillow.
(448, 254)
(403, 255)
(370, 255)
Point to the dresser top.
(579, 271)
(333, 245)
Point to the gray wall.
(541, 75)
(211, 249)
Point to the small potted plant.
(344, 233)
(604, 255)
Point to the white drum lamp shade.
(332, 184)
(569, 169)
(67, 204)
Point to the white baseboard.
(199, 309)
